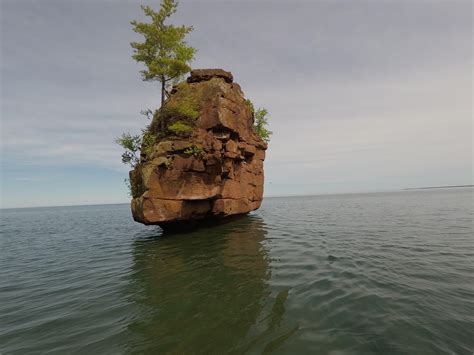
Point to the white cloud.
(361, 96)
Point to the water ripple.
(349, 274)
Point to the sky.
(363, 95)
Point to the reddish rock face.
(198, 75)
(214, 172)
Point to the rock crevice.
(212, 168)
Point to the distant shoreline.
(265, 197)
(437, 187)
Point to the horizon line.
(275, 196)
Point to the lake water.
(384, 273)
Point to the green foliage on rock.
(131, 144)
(184, 105)
(249, 104)
(180, 128)
(134, 144)
(132, 188)
(186, 109)
(180, 110)
(164, 50)
(261, 123)
(148, 140)
(195, 150)
(186, 101)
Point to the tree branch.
(171, 78)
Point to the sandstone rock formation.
(201, 158)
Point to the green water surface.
(384, 273)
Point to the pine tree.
(164, 51)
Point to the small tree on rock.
(131, 144)
(261, 123)
(164, 51)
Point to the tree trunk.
(162, 92)
(162, 118)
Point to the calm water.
(350, 274)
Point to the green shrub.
(132, 189)
(148, 140)
(187, 110)
(250, 105)
(261, 123)
(185, 103)
(180, 128)
(131, 144)
(182, 110)
(195, 150)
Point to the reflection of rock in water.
(201, 291)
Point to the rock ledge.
(198, 75)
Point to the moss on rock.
(180, 128)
